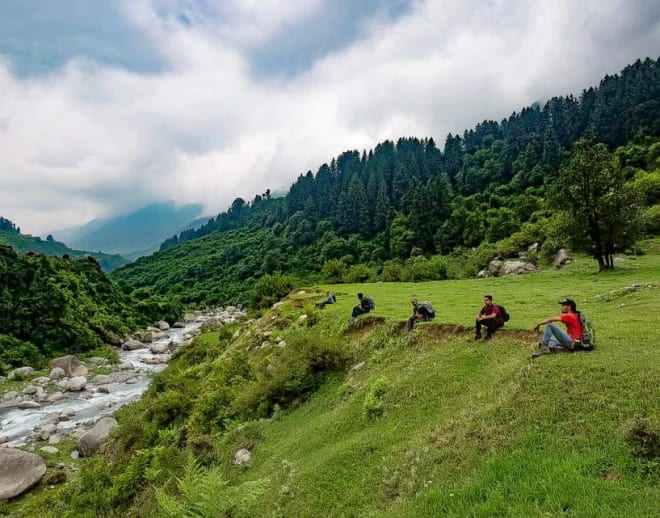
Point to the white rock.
(49, 449)
(242, 456)
(76, 384)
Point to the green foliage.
(359, 273)
(333, 271)
(65, 306)
(602, 214)
(271, 288)
(205, 493)
(373, 400)
(643, 437)
(15, 353)
(418, 269)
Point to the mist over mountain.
(135, 234)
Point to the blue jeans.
(555, 336)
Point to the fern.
(205, 493)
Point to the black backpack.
(505, 314)
(371, 304)
(429, 307)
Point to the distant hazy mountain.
(132, 235)
(10, 235)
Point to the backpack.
(505, 314)
(588, 341)
(429, 307)
(371, 303)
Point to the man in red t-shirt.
(555, 338)
(490, 317)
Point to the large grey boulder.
(494, 267)
(19, 471)
(517, 268)
(91, 441)
(132, 345)
(561, 259)
(21, 373)
(70, 365)
(163, 326)
(76, 384)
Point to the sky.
(108, 105)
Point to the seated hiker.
(365, 304)
(422, 311)
(489, 316)
(330, 300)
(554, 337)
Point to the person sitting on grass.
(422, 311)
(554, 337)
(330, 300)
(365, 304)
(490, 317)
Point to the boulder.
(91, 441)
(103, 389)
(163, 326)
(46, 431)
(561, 259)
(159, 349)
(55, 396)
(30, 389)
(19, 471)
(70, 365)
(51, 450)
(141, 336)
(482, 273)
(102, 379)
(132, 345)
(20, 374)
(57, 373)
(517, 268)
(242, 456)
(494, 267)
(179, 325)
(76, 384)
(12, 394)
(26, 405)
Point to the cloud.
(210, 123)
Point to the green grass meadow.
(479, 429)
(424, 424)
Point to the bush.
(16, 353)
(359, 273)
(333, 270)
(643, 437)
(373, 401)
(419, 269)
(391, 272)
(271, 288)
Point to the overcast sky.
(108, 105)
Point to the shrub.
(373, 401)
(391, 272)
(271, 288)
(16, 353)
(333, 270)
(419, 269)
(643, 437)
(359, 273)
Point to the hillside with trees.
(11, 235)
(51, 306)
(408, 210)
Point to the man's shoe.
(544, 349)
(477, 338)
(351, 321)
(488, 338)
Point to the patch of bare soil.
(447, 331)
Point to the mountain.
(135, 234)
(10, 235)
(383, 214)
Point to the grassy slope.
(480, 429)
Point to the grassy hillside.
(432, 424)
(26, 243)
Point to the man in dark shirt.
(364, 306)
(490, 317)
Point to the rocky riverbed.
(71, 398)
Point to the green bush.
(391, 272)
(333, 270)
(359, 273)
(16, 353)
(271, 288)
(373, 401)
(419, 269)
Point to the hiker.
(365, 304)
(489, 316)
(330, 300)
(422, 311)
(554, 337)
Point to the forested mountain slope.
(10, 235)
(368, 215)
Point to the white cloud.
(91, 140)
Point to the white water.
(19, 424)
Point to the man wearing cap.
(490, 317)
(555, 338)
